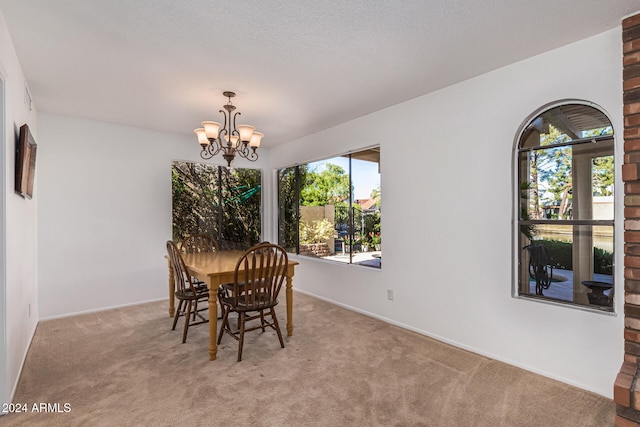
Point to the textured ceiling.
(297, 66)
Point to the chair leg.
(277, 326)
(176, 315)
(241, 335)
(186, 323)
(221, 311)
(262, 320)
(225, 323)
(222, 293)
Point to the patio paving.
(369, 259)
(562, 289)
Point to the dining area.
(246, 282)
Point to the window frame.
(299, 185)
(217, 220)
(517, 222)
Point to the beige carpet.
(125, 367)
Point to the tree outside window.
(221, 202)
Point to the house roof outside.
(368, 204)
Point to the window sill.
(610, 311)
(333, 262)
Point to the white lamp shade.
(211, 129)
(202, 137)
(245, 132)
(234, 141)
(255, 139)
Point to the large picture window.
(566, 208)
(221, 202)
(331, 208)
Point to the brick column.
(626, 390)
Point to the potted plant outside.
(376, 240)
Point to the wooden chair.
(196, 243)
(188, 294)
(259, 275)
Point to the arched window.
(565, 182)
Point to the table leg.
(289, 292)
(213, 323)
(172, 291)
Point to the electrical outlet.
(390, 294)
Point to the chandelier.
(242, 140)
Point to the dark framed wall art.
(25, 162)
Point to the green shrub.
(561, 253)
(562, 256)
(602, 261)
(316, 232)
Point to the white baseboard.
(96, 310)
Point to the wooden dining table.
(215, 269)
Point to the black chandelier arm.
(225, 143)
(247, 152)
(236, 133)
(224, 125)
(208, 151)
(236, 114)
(242, 149)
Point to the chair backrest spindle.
(259, 276)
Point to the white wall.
(18, 283)
(104, 212)
(448, 216)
